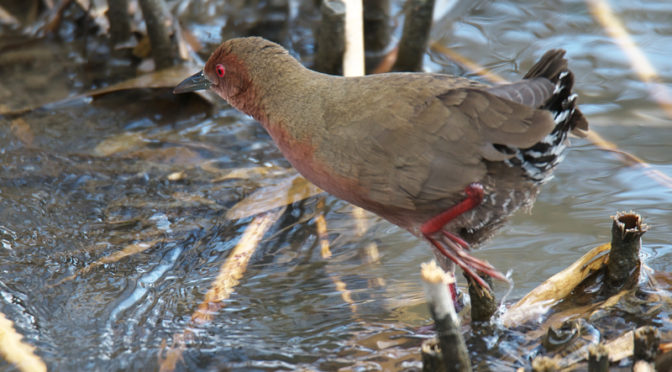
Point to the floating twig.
(602, 12)
(539, 300)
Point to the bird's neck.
(285, 97)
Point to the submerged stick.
(626, 233)
(415, 37)
(231, 271)
(453, 348)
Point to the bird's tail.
(539, 159)
(562, 103)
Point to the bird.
(445, 157)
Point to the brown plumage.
(406, 145)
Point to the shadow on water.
(82, 181)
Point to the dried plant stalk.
(453, 348)
(598, 358)
(431, 356)
(120, 26)
(415, 37)
(229, 274)
(160, 29)
(646, 340)
(376, 31)
(353, 56)
(626, 232)
(330, 37)
(14, 350)
(483, 304)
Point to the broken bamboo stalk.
(120, 25)
(353, 55)
(646, 342)
(483, 304)
(598, 358)
(330, 38)
(623, 266)
(431, 356)
(454, 350)
(160, 29)
(376, 31)
(544, 364)
(415, 36)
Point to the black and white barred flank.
(539, 160)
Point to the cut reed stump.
(454, 355)
(623, 267)
(414, 39)
(331, 38)
(647, 340)
(161, 31)
(483, 304)
(598, 358)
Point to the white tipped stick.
(453, 348)
(353, 58)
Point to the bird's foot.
(454, 247)
(457, 252)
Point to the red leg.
(454, 247)
(474, 197)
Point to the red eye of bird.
(220, 70)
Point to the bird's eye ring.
(220, 70)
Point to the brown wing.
(425, 143)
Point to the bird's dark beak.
(197, 81)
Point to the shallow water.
(64, 205)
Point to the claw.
(461, 262)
